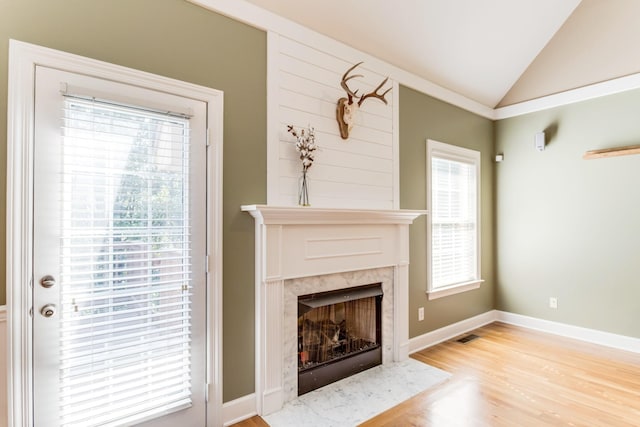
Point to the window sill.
(452, 290)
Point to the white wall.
(3, 367)
(304, 87)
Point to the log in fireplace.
(339, 334)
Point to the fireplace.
(309, 251)
(339, 335)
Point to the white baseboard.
(606, 339)
(245, 407)
(4, 417)
(443, 334)
(594, 336)
(239, 409)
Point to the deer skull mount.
(348, 107)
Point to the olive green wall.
(176, 39)
(567, 227)
(563, 226)
(422, 117)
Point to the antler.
(375, 93)
(343, 83)
(346, 110)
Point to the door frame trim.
(23, 59)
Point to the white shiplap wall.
(303, 89)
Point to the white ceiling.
(496, 52)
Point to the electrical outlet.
(553, 302)
(420, 314)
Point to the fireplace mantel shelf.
(308, 215)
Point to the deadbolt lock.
(48, 281)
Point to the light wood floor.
(512, 376)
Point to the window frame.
(445, 151)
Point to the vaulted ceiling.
(495, 52)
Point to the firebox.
(339, 334)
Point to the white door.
(119, 292)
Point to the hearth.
(339, 334)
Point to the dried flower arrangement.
(305, 146)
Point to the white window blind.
(453, 210)
(125, 265)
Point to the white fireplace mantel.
(302, 242)
(308, 215)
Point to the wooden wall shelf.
(612, 152)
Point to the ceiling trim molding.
(262, 19)
(257, 17)
(585, 93)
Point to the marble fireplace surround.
(301, 250)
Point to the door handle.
(48, 281)
(48, 310)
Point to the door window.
(120, 211)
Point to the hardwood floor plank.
(255, 421)
(514, 376)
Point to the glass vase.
(303, 191)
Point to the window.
(125, 342)
(453, 233)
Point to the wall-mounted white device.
(539, 141)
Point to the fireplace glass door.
(339, 334)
